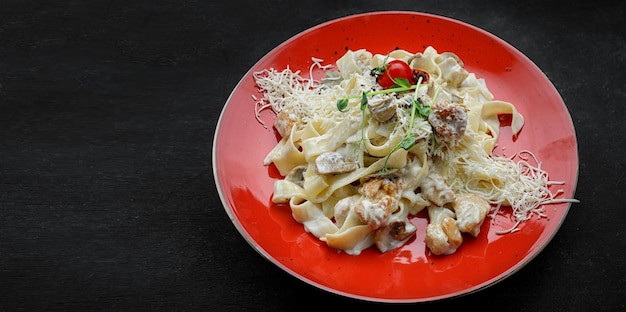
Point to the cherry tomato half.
(399, 69)
(394, 70)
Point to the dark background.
(107, 116)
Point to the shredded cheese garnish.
(523, 184)
(286, 88)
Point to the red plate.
(410, 273)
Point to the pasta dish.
(381, 138)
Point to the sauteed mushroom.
(296, 175)
(382, 108)
(333, 162)
(393, 235)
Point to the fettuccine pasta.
(359, 160)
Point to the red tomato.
(399, 69)
(394, 70)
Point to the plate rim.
(470, 290)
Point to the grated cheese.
(287, 88)
(523, 184)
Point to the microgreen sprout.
(342, 104)
(417, 107)
(376, 71)
(400, 85)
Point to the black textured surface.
(107, 115)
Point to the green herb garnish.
(377, 71)
(417, 107)
(342, 104)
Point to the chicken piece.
(435, 189)
(375, 213)
(442, 235)
(393, 235)
(286, 119)
(449, 120)
(331, 79)
(333, 162)
(470, 210)
(380, 200)
(342, 208)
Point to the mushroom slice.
(332, 163)
(382, 108)
(393, 235)
(296, 175)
